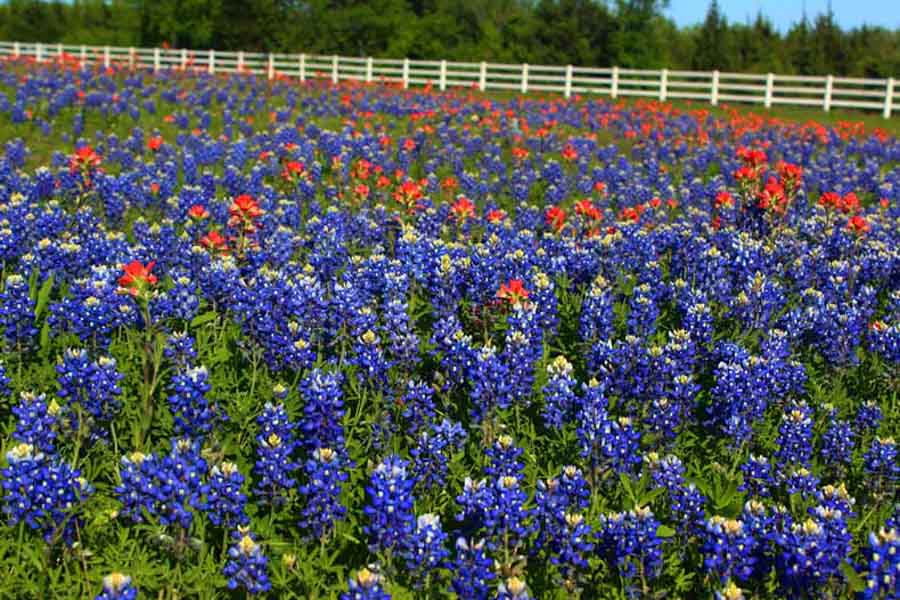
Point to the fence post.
(270, 67)
(211, 62)
(83, 56)
(369, 67)
(240, 65)
(131, 60)
(482, 77)
(16, 49)
(770, 85)
(525, 78)
(184, 59)
(155, 60)
(663, 84)
(303, 67)
(889, 98)
(38, 52)
(614, 86)
(714, 91)
(443, 78)
(829, 86)
(567, 87)
(106, 57)
(405, 73)
(334, 69)
(59, 53)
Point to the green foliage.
(628, 33)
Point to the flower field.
(294, 340)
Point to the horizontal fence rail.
(714, 87)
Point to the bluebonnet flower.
(225, 504)
(490, 384)
(90, 390)
(370, 360)
(193, 413)
(643, 312)
(247, 566)
(323, 410)
(882, 567)
(555, 497)
(838, 443)
(425, 549)
(730, 592)
(881, 460)
(389, 509)
(629, 541)
(513, 588)
(472, 570)
(507, 520)
(326, 471)
(475, 501)
(795, 436)
(620, 445)
(431, 456)
(800, 481)
(504, 457)
(559, 394)
(17, 313)
(4, 381)
(758, 478)
(180, 350)
(367, 585)
(43, 493)
(868, 418)
(686, 502)
(836, 498)
(805, 559)
(418, 406)
(275, 448)
(728, 549)
(597, 318)
(570, 545)
(522, 349)
(117, 587)
(36, 422)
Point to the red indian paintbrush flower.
(84, 158)
(555, 217)
(137, 277)
(496, 216)
(463, 209)
(214, 242)
(514, 291)
(198, 212)
(858, 225)
(155, 143)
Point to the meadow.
(296, 340)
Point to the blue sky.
(848, 13)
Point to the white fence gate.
(714, 87)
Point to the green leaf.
(665, 532)
(857, 583)
(204, 318)
(45, 336)
(43, 297)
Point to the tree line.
(628, 33)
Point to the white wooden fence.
(714, 87)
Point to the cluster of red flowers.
(244, 211)
(463, 209)
(137, 278)
(408, 194)
(555, 217)
(847, 204)
(514, 292)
